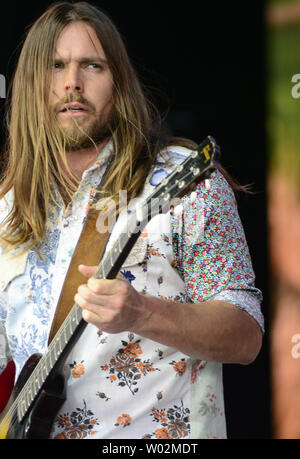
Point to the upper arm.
(211, 251)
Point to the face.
(81, 96)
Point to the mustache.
(73, 97)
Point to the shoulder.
(215, 188)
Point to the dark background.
(205, 65)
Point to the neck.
(81, 160)
(78, 162)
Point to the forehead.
(78, 40)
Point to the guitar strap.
(89, 250)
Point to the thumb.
(87, 271)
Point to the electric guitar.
(40, 389)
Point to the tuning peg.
(178, 209)
(193, 196)
(140, 212)
(207, 184)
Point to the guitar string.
(40, 365)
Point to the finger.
(91, 317)
(107, 286)
(88, 295)
(87, 305)
(87, 271)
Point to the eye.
(57, 65)
(94, 65)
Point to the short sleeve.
(210, 249)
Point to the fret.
(53, 355)
(65, 334)
(56, 351)
(40, 377)
(35, 385)
(29, 393)
(44, 371)
(78, 313)
(114, 256)
(27, 398)
(60, 342)
(99, 272)
(112, 261)
(48, 364)
(69, 323)
(104, 268)
(73, 322)
(21, 409)
(50, 359)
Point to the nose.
(73, 80)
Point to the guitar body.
(7, 378)
(38, 420)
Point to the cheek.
(105, 99)
(55, 94)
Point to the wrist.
(157, 314)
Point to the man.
(149, 363)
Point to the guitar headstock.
(195, 168)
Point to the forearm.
(211, 330)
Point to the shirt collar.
(101, 160)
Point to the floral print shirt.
(123, 385)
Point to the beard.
(78, 135)
(80, 138)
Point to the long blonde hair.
(35, 164)
(35, 145)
